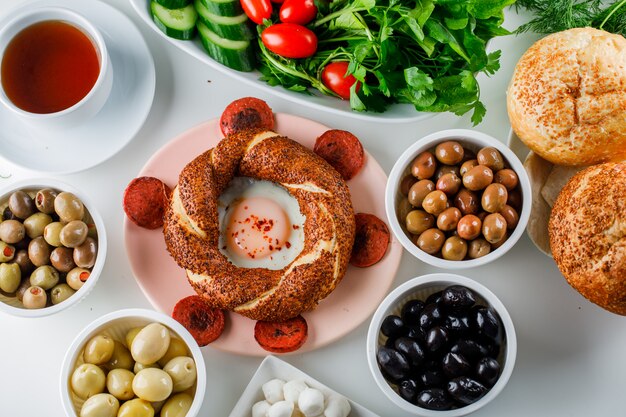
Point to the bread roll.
(567, 98)
(588, 234)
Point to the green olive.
(100, 405)
(120, 384)
(69, 207)
(10, 277)
(7, 252)
(177, 348)
(85, 254)
(150, 344)
(130, 336)
(45, 277)
(39, 251)
(12, 231)
(99, 349)
(73, 234)
(77, 277)
(140, 366)
(121, 358)
(44, 200)
(177, 405)
(182, 369)
(87, 380)
(21, 258)
(34, 297)
(52, 233)
(152, 384)
(60, 293)
(36, 223)
(136, 408)
(21, 204)
(62, 259)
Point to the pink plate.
(356, 297)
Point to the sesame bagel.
(192, 229)
(588, 234)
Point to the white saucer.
(122, 116)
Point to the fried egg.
(261, 225)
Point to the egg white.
(245, 187)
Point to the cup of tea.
(55, 71)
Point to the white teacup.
(92, 102)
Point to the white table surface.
(571, 359)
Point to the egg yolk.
(257, 227)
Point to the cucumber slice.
(238, 55)
(228, 8)
(173, 4)
(175, 23)
(235, 28)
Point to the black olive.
(392, 363)
(436, 338)
(454, 364)
(458, 325)
(488, 371)
(434, 298)
(431, 315)
(491, 346)
(466, 390)
(392, 326)
(487, 322)
(470, 350)
(411, 311)
(390, 342)
(434, 399)
(457, 297)
(416, 333)
(411, 350)
(408, 390)
(432, 378)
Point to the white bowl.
(420, 288)
(12, 305)
(469, 139)
(116, 325)
(89, 105)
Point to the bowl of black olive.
(441, 345)
(52, 247)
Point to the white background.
(571, 359)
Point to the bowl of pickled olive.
(441, 345)
(133, 363)
(52, 247)
(458, 198)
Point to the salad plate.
(124, 113)
(353, 301)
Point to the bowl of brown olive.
(458, 199)
(52, 247)
(441, 345)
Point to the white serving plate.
(397, 113)
(271, 368)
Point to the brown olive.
(431, 241)
(12, 231)
(499, 243)
(52, 233)
(447, 169)
(448, 219)
(494, 227)
(424, 166)
(454, 249)
(469, 227)
(73, 234)
(62, 259)
(404, 207)
(467, 165)
(494, 198)
(511, 216)
(36, 223)
(7, 214)
(477, 178)
(417, 221)
(515, 199)
(24, 285)
(482, 215)
(490, 157)
(39, 251)
(22, 244)
(21, 204)
(21, 258)
(467, 201)
(435, 202)
(449, 184)
(478, 248)
(406, 183)
(419, 191)
(44, 200)
(85, 254)
(469, 154)
(68, 207)
(449, 152)
(506, 177)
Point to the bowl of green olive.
(133, 363)
(52, 247)
(458, 198)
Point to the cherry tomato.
(289, 40)
(257, 10)
(300, 12)
(334, 77)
